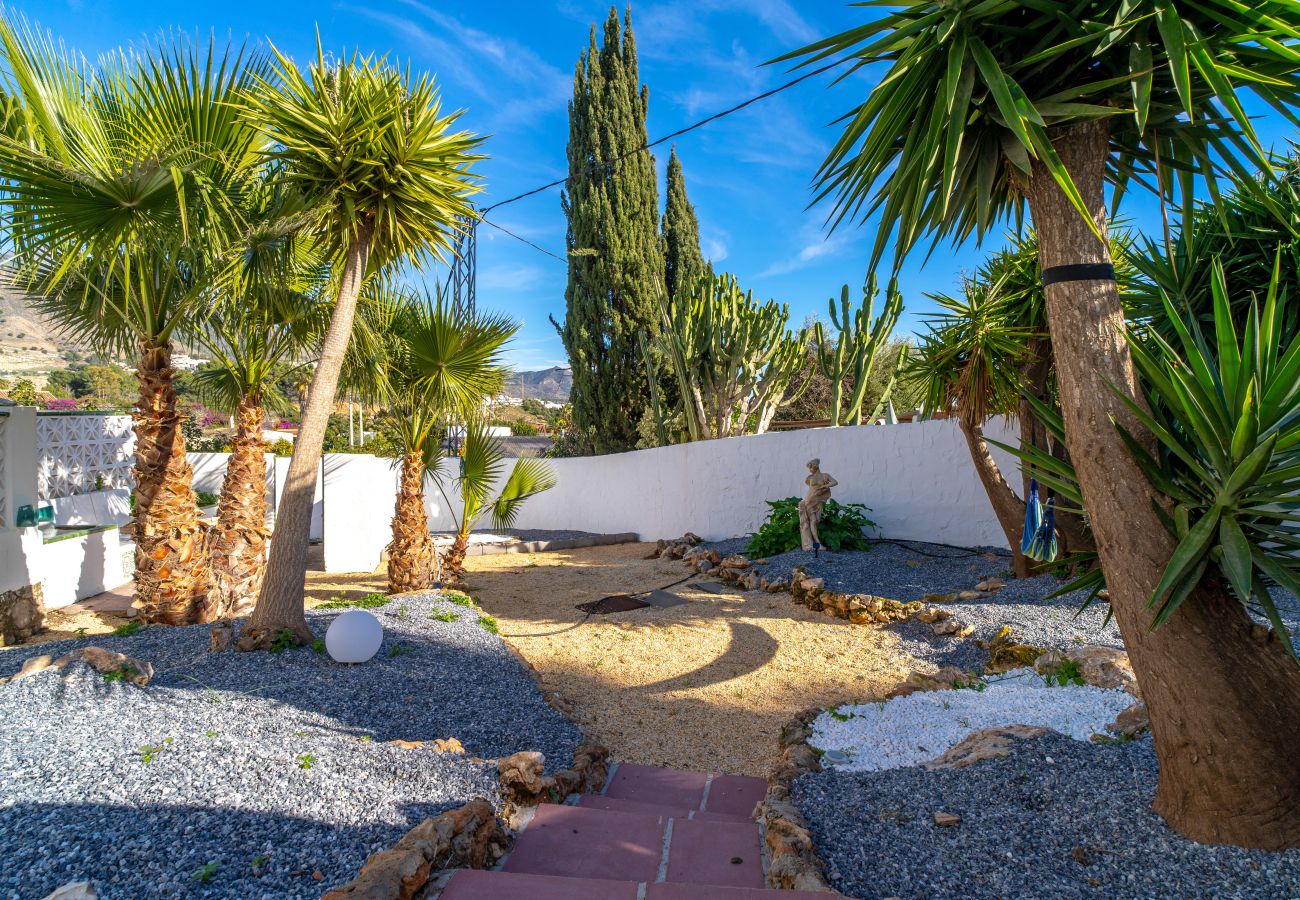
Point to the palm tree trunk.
(1223, 693)
(410, 555)
(453, 561)
(171, 562)
(239, 541)
(1009, 509)
(280, 605)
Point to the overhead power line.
(595, 168)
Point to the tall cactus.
(733, 357)
(855, 352)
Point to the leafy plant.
(1064, 673)
(841, 527)
(445, 616)
(206, 498)
(400, 650)
(285, 640)
(318, 646)
(133, 627)
(1227, 419)
(209, 733)
(488, 624)
(304, 760)
(457, 598)
(120, 674)
(369, 601)
(260, 860)
(149, 751)
(204, 873)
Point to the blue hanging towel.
(1045, 546)
(1033, 517)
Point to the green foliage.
(120, 674)
(614, 249)
(285, 640)
(1227, 418)
(400, 650)
(1066, 672)
(148, 752)
(683, 261)
(369, 601)
(841, 528)
(480, 469)
(206, 498)
(282, 447)
(205, 873)
(318, 645)
(732, 357)
(447, 616)
(305, 760)
(133, 627)
(102, 386)
(24, 393)
(488, 624)
(971, 94)
(457, 598)
(854, 354)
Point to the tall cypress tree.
(683, 262)
(615, 254)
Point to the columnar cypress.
(615, 254)
(683, 262)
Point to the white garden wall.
(210, 471)
(918, 480)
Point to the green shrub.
(206, 498)
(369, 601)
(282, 447)
(841, 528)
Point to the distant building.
(187, 363)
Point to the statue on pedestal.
(810, 507)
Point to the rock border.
(791, 857)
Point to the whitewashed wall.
(210, 471)
(918, 480)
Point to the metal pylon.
(461, 286)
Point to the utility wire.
(609, 164)
(504, 230)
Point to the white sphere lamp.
(354, 637)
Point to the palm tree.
(118, 182)
(371, 150)
(986, 107)
(439, 362)
(479, 470)
(265, 326)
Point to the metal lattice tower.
(461, 285)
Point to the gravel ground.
(233, 758)
(907, 731)
(1057, 818)
(907, 571)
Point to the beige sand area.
(704, 686)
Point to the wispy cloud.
(816, 247)
(714, 244)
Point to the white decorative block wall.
(78, 454)
(4, 508)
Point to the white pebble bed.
(907, 731)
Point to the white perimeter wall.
(918, 480)
(210, 471)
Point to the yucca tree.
(120, 185)
(970, 361)
(372, 151)
(440, 362)
(264, 328)
(984, 107)
(474, 476)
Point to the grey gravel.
(277, 755)
(1022, 818)
(909, 570)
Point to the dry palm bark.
(172, 576)
(411, 552)
(453, 561)
(238, 543)
(1223, 692)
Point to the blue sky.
(510, 65)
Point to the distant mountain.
(547, 384)
(27, 342)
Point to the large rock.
(117, 666)
(74, 890)
(1103, 667)
(22, 614)
(987, 743)
(1006, 653)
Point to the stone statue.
(810, 507)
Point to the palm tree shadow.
(750, 649)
